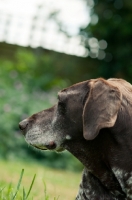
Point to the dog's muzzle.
(39, 138)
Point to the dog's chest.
(125, 180)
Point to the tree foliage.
(26, 79)
(111, 22)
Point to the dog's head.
(81, 112)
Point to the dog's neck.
(85, 151)
(92, 156)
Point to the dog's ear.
(101, 108)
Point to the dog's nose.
(23, 124)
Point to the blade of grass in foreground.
(2, 189)
(18, 185)
(9, 191)
(30, 186)
(46, 197)
(24, 194)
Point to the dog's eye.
(62, 104)
(61, 107)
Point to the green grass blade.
(2, 189)
(31, 186)
(18, 185)
(1, 192)
(9, 191)
(46, 197)
(24, 194)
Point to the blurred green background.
(31, 77)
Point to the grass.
(36, 182)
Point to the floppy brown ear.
(101, 108)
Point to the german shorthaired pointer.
(93, 121)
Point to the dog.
(93, 121)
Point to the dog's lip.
(44, 147)
(38, 147)
(49, 146)
(59, 149)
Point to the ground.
(59, 184)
